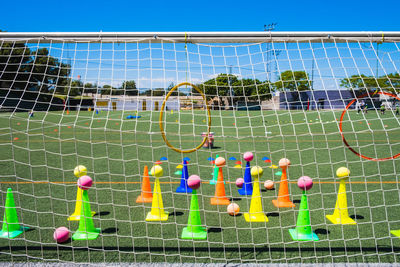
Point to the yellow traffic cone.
(157, 212)
(341, 213)
(256, 213)
(76, 216)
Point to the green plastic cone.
(11, 227)
(303, 231)
(215, 174)
(194, 230)
(86, 229)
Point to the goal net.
(128, 105)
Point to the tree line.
(22, 68)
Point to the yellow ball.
(80, 171)
(157, 171)
(257, 171)
(343, 173)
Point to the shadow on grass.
(273, 214)
(110, 230)
(102, 213)
(214, 147)
(236, 199)
(265, 190)
(297, 201)
(359, 217)
(321, 231)
(101, 249)
(176, 213)
(214, 230)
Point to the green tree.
(106, 90)
(360, 82)
(390, 82)
(76, 88)
(90, 88)
(129, 88)
(293, 81)
(218, 86)
(46, 72)
(241, 88)
(14, 62)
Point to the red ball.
(61, 234)
(194, 181)
(85, 182)
(305, 183)
(239, 182)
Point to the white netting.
(322, 103)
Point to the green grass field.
(38, 157)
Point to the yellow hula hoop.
(162, 114)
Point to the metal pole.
(202, 37)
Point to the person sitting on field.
(383, 109)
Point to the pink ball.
(194, 181)
(61, 234)
(305, 183)
(85, 182)
(248, 156)
(233, 209)
(220, 162)
(239, 182)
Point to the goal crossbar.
(205, 37)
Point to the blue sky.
(323, 15)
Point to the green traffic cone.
(303, 231)
(86, 229)
(11, 227)
(215, 175)
(194, 230)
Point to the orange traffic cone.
(220, 196)
(146, 196)
(283, 200)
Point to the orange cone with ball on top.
(283, 200)
(220, 195)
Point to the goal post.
(143, 111)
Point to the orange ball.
(268, 184)
(233, 209)
(283, 163)
(220, 162)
